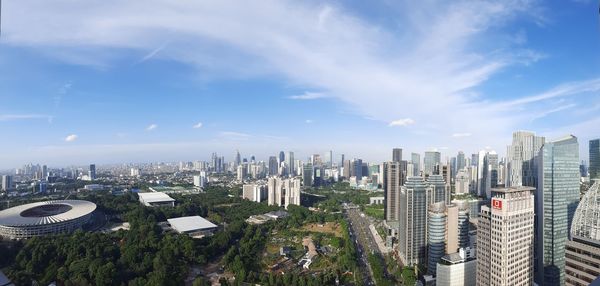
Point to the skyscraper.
(431, 163)
(437, 190)
(581, 265)
(307, 175)
(330, 159)
(416, 162)
(356, 171)
(483, 174)
(92, 172)
(521, 155)
(292, 192)
(290, 164)
(274, 191)
(492, 160)
(557, 197)
(505, 238)
(273, 166)
(346, 171)
(396, 154)
(460, 161)
(281, 157)
(594, 168)
(391, 187)
(412, 238)
(238, 158)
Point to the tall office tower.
(357, 169)
(330, 159)
(307, 175)
(44, 172)
(318, 174)
(273, 166)
(431, 162)
(292, 192)
(281, 157)
(505, 238)
(199, 181)
(436, 235)
(446, 173)
(437, 190)
(493, 165)
(396, 154)
(474, 159)
(463, 227)
(483, 175)
(583, 170)
(342, 162)
(392, 183)
(453, 167)
(556, 201)
(6, 182)
(412, 238)
(582, 259)
(347, 169)
(92, 172)
(238, 158)
(594, 168)
(461, 182)
(410, 169)
(460, 161)
(502, 172)
(521, 159)
(415, 158)
(274, 191)
(290, 164)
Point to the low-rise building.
(156, 199)
(192, 225)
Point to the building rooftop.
(155, 197)
(513, 189)
(190, 223)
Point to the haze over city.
(169, 81)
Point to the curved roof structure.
(586, 222)
(44, 213)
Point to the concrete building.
(192, 225)
(254, 192)
(156, 199)
(292, 192)
(376, 200)
(307, 175)
(290, 164)
(273, 166)
(505, 238)
(582, 254)
(457, 269)
(437, 190)
(557, 198)
(392, 183)
(415, 159)
(396, 154)
(200, 181)
(447, 231)
(92, 172)
(412, 233)
(6, 182)
(461, 185)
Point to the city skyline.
(113, 85)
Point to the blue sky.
(108, 81)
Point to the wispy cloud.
(153, 53)
(13, 117)
(71, 138)
(308, 95)
(197, 125)
(460, 135)
(402, 122)
(309, 121)
(151, 127)
(232, 135)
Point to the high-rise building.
(505, 238)
(436, 235)
(273, 166)
(431, 163)
(521, 159)
(594, 168)
(238, 158)
(556, 201)
(396, 154)
(242, 172)
(356, 170)
(391, 186)
(458, 268)
(437, 190)
(92, 172)
(253, 192)
(281, 158)
(483, 174)
(274, 191)
(460, 161)
(582, 252)
(461, 182)
(290, 164)
(330, 159)
(6, 182)
(307, 175)
(292, 192)
(347, 169)
(412, 237)
(415, 158)
(199, 181)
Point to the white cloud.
(13, 117)
(308, 95)
(402, 122)
(71, 138)
(197, 125)
(459, 135)
(232, 135)
(308, 121)
(151, 127)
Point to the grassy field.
(327, 228)
(375, 211)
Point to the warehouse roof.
(190, 223)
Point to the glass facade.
(557, 199)
(594, 159)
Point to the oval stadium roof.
(43, 213)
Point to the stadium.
(44, 218)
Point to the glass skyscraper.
(594, 168)
(556, 201)
(412, 238)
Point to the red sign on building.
(496, 204)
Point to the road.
(363, 239)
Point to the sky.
(145, 81)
